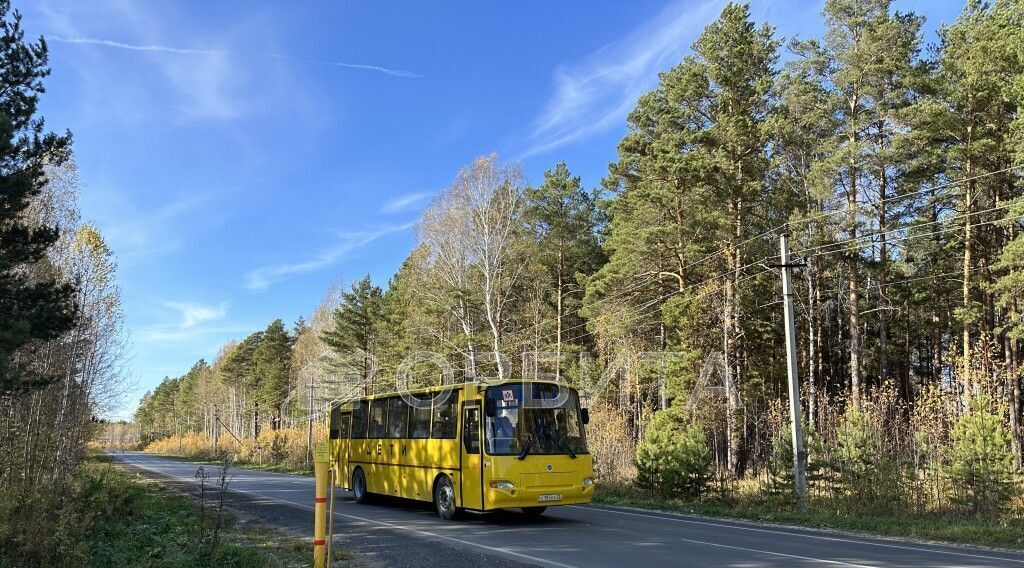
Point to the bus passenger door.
(472, 475)
(341, 427)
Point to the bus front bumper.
(511, 498)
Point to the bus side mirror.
(490, 407)
(585, 415)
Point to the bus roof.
(454, 386)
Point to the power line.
(908, 237)
(696, 297)
(644, 311)
(872, 236)
(895, 197)
(788, 224)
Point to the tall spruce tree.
(33, 309)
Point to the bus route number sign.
(321, 453)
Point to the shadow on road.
(501, 517)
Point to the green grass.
(929, 528)
(139, 523)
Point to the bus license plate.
(551, 497)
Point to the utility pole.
(216, 430)
(799, 455)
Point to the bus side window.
(398, 418)
(359, 420)
(343, 427)
(444, 416)
(471, 430)
(419, 417)
(378, 418)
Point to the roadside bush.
(780, 466)
(610, 442)
(674, 457)
(980, 462)
(869, 481)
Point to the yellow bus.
(472, 446)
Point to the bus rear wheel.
(444, 498)
(359, 487)
(534, 511)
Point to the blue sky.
(242, 156)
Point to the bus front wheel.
(534, 511)
(444, 498)
(359, 487)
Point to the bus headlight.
(587, 482)
(503, 485)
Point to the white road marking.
(381, 523)
(667, 516)
(808, 558)
(677, 518)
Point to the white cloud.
(261, 278)
(191, 317)
(223, 53)
(193, 314)
(174, 333)
(133, 47)
(598, 92)
(407, 202)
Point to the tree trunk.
(558, 313)
(463, 317)
(813, 341)
(965, 378)
(883, 269)
(853, 262)
(734, 423)
(936, 362)
(1016, 435)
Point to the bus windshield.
(547, 421)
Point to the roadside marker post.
(321, 467)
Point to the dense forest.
(896, 169)
(61, 341)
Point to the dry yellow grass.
(286, 446)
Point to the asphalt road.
(406, 533)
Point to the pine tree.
(979, 62)
(239, 370)
(692, 177)
(271, 367)
(35, 309)
(356, 331)
(980, 461)
(1009, 23)
(738, 61)
(674, 457)
(563, 219)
